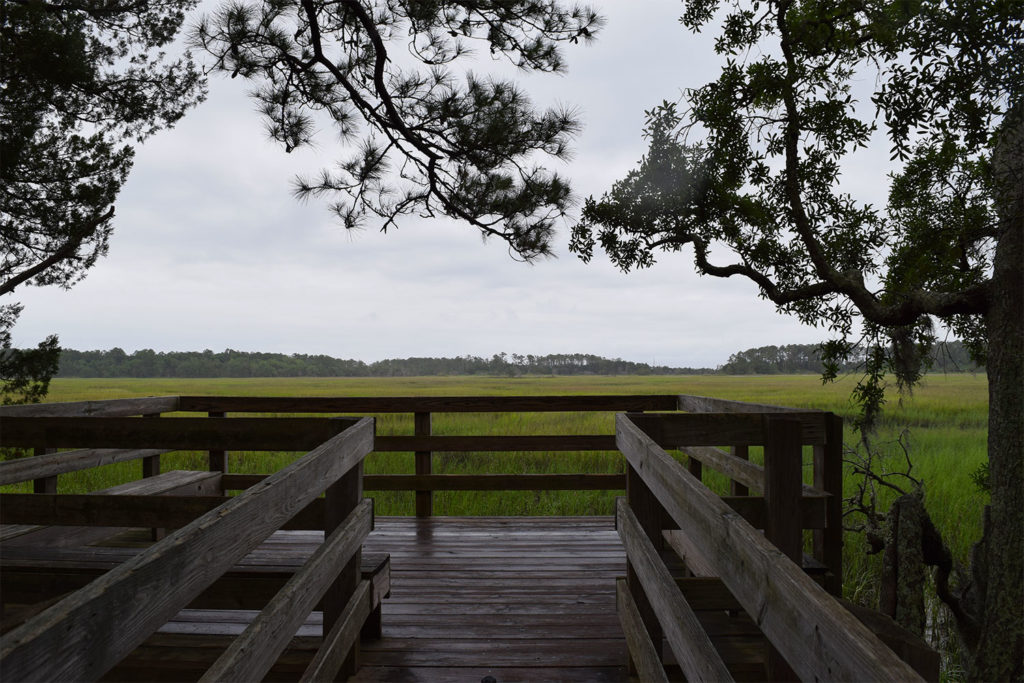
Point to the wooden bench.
(172, 483)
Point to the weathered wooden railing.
(86, 633)
(667, 509)
(424, 444)
(813, 637)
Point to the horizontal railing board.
(465, 482)
(495, 443)
(818, 638)
(50, 464)
(752, 508)
(179, 433)
(251, 654)
(169, 511)
(739, 470)
(687, 638)
(337, 643)
(119, 407)
(425, 404)
(33, 574)
(678, 430)
(66, 529)
(641, 650)
(494, 482)
(707, 404)
(84, 635)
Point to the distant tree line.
(230, 363)
(794, 359)
(764, 360)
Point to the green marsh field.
(944, 422)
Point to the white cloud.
(212, 251)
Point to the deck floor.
(516, 599)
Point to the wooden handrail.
(456, 444)
(339, 640)
(720, 429)
(251, 654)
(427, 404)
(179, 433)
(118, 407)
(52, 464)
(84, 635)
(707, 404)
(642, 653)
(818, 638)
(95, 510)
(687, 638)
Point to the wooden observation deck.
(210, 575)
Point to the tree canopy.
(748, 172)
(79, 83)
(426, 138)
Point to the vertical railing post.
(151, 468)
(783, 487)
(828, 476)
(651, 516)
(696, 467)
(44, 484)
(218, 460)
(736, 488)
(151, 464)
(341, 498)
(424, 499)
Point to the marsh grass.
(945, 423)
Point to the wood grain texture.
(250, 656)
(707, 404)
(689, 642)
(828, 477)
(643, 655)
(678, 430)
(519, 598)
(818, 638)
(424, 465)
(57, 520)
(87, 633)
(747, 474)
(495, 443)
(494, 482)
(783, 478)
(121, 407)
(339, 640)
(180, 433)
(426, 404)
(50, 464)
(160, 505)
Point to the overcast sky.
(210, 250)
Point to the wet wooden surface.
(516, 599)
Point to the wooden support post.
(151, 464)
(783, 487)
(44, 484)
(828, 476)
(736, 488)
(341, 498)
(651, 515)
(218, 459)
(696, 467)
(424, 499)
(151, 468)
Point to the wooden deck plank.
(528, 599)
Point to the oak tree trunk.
(1000, 558)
